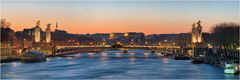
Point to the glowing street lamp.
(103, 43)
(118, 42)
(146, 43)
(209, 46)
(125, 34)
(131, 43)
(174, 43)
(165, 40)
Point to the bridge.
(63, 50)
(209, 56)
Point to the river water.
(137, 64)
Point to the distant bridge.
(141, 47)
(62, 50)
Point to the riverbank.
(6, 59)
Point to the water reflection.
(165, 60)
(48, 59)
(229, 76)
(91, 55)
(107, 65)
(59, 57)
(78, 55)
(104, 54)
(118, 55)
(146, 55)
(15, 64)
(132, 59)
(10, 74)
(104, 57)
(70, 62)
(69, 57)
(132, 54)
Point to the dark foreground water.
(112, 65)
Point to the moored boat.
(33, 56)
(231, 68)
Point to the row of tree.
(226, 35)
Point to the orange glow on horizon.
(100, 27)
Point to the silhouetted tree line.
(226, 34)
(7, 35)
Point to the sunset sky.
(104, 16)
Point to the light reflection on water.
(48, 59)
(104, 54)
(165, 60)
(9, 74)
(15, 64)
(118, 55)
(112, 65)
(59, 57)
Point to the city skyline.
(152, 17)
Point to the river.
(137, 64)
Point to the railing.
(108, 46)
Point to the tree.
(226, 34)
(7, 36)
